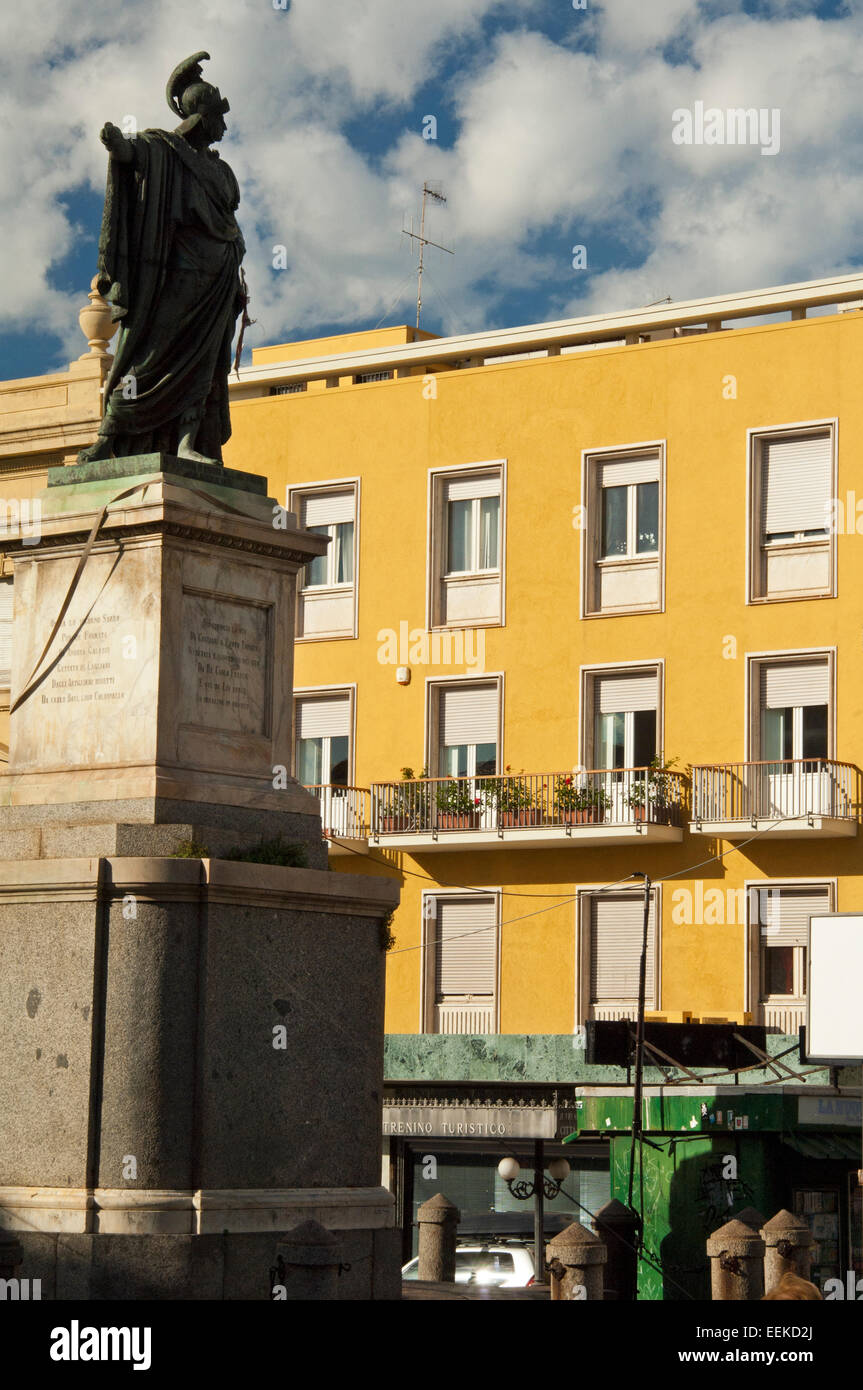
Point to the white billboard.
(834, 1016)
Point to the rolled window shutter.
(620, 472)
(616, 929)
(5, 632)
(790, 684)
(618, 694)
(328, 508)
(327, 716)
(783, 913)
(795, 483)
(464, 489)
(465, 946)
(469, 714)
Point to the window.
(5, 633)
(795, 705)
(622, 550)
(323, 730)
(289, 388)
(462, 964)
(792, 739)
(468, 718)
(790, 491)
(624, 724)
(473, 526)
(467, 546)
(326, 597)
(614, 927)
(779, 915)
(362, 377)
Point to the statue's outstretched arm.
(116, 144)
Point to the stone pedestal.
(193, 1046)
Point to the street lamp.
(542, 1188)
(509, 1169)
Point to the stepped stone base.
(212, 1267)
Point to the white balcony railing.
(785, 1018)
(344, 810)
(784, 790)
(465, 1015)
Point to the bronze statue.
(169, 264)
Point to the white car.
(490, 1266)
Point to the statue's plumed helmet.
(188, 95)
(202, 97)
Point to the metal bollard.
(308, 1264)
(736, 1254)
(617, 1227)
(788, 1242)
(575, 1258)
(438, 1222)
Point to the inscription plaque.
(225, 681)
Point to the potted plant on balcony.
(406, 806)
(457, 806)
(579, 805)
(514, 800)
(654, 789)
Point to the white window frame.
(753, 982)
(755, 544)
(587, 700)
(428, 927)
(309, 693)
(752, 695)
(585, 893)
(437, 544)
(591, 533)
(431, 730)
(293, 502)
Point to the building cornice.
(563, 333)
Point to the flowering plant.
(570, 796)
(456, 798)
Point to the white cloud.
(552, 142)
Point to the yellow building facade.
(560, 554)
(590, 566)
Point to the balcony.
(792, 799)
(344, 817)
(530, 810)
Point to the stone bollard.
(438, 1222)
(575, 1258)
(11, 1254)
(750, 1216)
(308, 1261)
(736, 1254)
(617, 1227)
(788, 1242)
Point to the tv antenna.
(428, 192)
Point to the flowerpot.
(639, 812)
(389, 824)
(453, 820)
(586, 815)
(525, 817)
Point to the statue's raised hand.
(116, 143)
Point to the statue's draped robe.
(169, 258)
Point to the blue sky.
(554, 129)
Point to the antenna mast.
(428, 192)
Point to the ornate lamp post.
(542, 1189)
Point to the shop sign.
(470, 1122)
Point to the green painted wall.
(687, 1188)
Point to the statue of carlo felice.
(169, 264)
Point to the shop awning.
(842, 1146)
